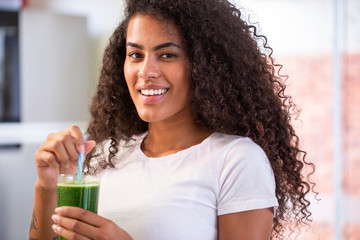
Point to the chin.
(148, 118)
(152, 115)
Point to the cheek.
(126, 70)
(183, 78)
(130, 81)
(130, 75)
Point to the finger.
(82, 215)
(77, 135)
(50, 136)
(45, 158)
(58, 149)
(89, 145)
(70, 147)
(76, 226)
(68, 234)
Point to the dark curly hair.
(236, 88)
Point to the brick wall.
(311, 85)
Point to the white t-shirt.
(179, 196)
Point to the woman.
(192, 133)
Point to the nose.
(149, 68)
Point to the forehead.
(145, 27)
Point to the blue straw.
(80, 164)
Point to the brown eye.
(135, 55)
(167, 55)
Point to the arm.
(58, 154)
(247, 225)
(44, 204)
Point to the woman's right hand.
(59, 154)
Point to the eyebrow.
(164, 45)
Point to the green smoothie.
(77, 195)
(72, 193)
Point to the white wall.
(305, 27)
(10, 4)
(103, 16)
(294, 27)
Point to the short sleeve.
(246, 179)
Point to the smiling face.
(156, 69)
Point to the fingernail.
(55, 217)
(93, 142)
(82, 148)
(55, 228)
(58, 209)
(66, 165)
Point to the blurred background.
(50, 57)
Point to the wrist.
(41, 188)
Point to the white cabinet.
(54, 66)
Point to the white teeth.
(152, 92)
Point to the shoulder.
(235, 146)
(235, 152)
(243, 159)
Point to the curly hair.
(235, 86)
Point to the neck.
(173, 135)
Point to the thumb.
(89, 145)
